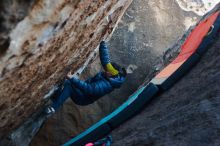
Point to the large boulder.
(55, 37)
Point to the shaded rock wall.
(146, 31)
(186, 114)
(55, 37)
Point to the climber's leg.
(80, 98)
(67, 91)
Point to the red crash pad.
(190, 45)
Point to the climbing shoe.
(49, 111)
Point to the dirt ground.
(187, 114)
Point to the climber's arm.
(109, 68)
(105, 59)
(104, 54)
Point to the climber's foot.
(49, 111)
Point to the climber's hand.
(69, 75)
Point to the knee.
(67, 83)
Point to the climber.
(86, 92)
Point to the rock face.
(11, 12)
(146, 31)
(55, 37)
(186, 114)
(59, 36)
(199, 7)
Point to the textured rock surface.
(199, 7)
(146, 30)
(187, 114)
(11, 12)
(54, 38)
(58, 36)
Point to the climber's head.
(121, 70)
(113, 69)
